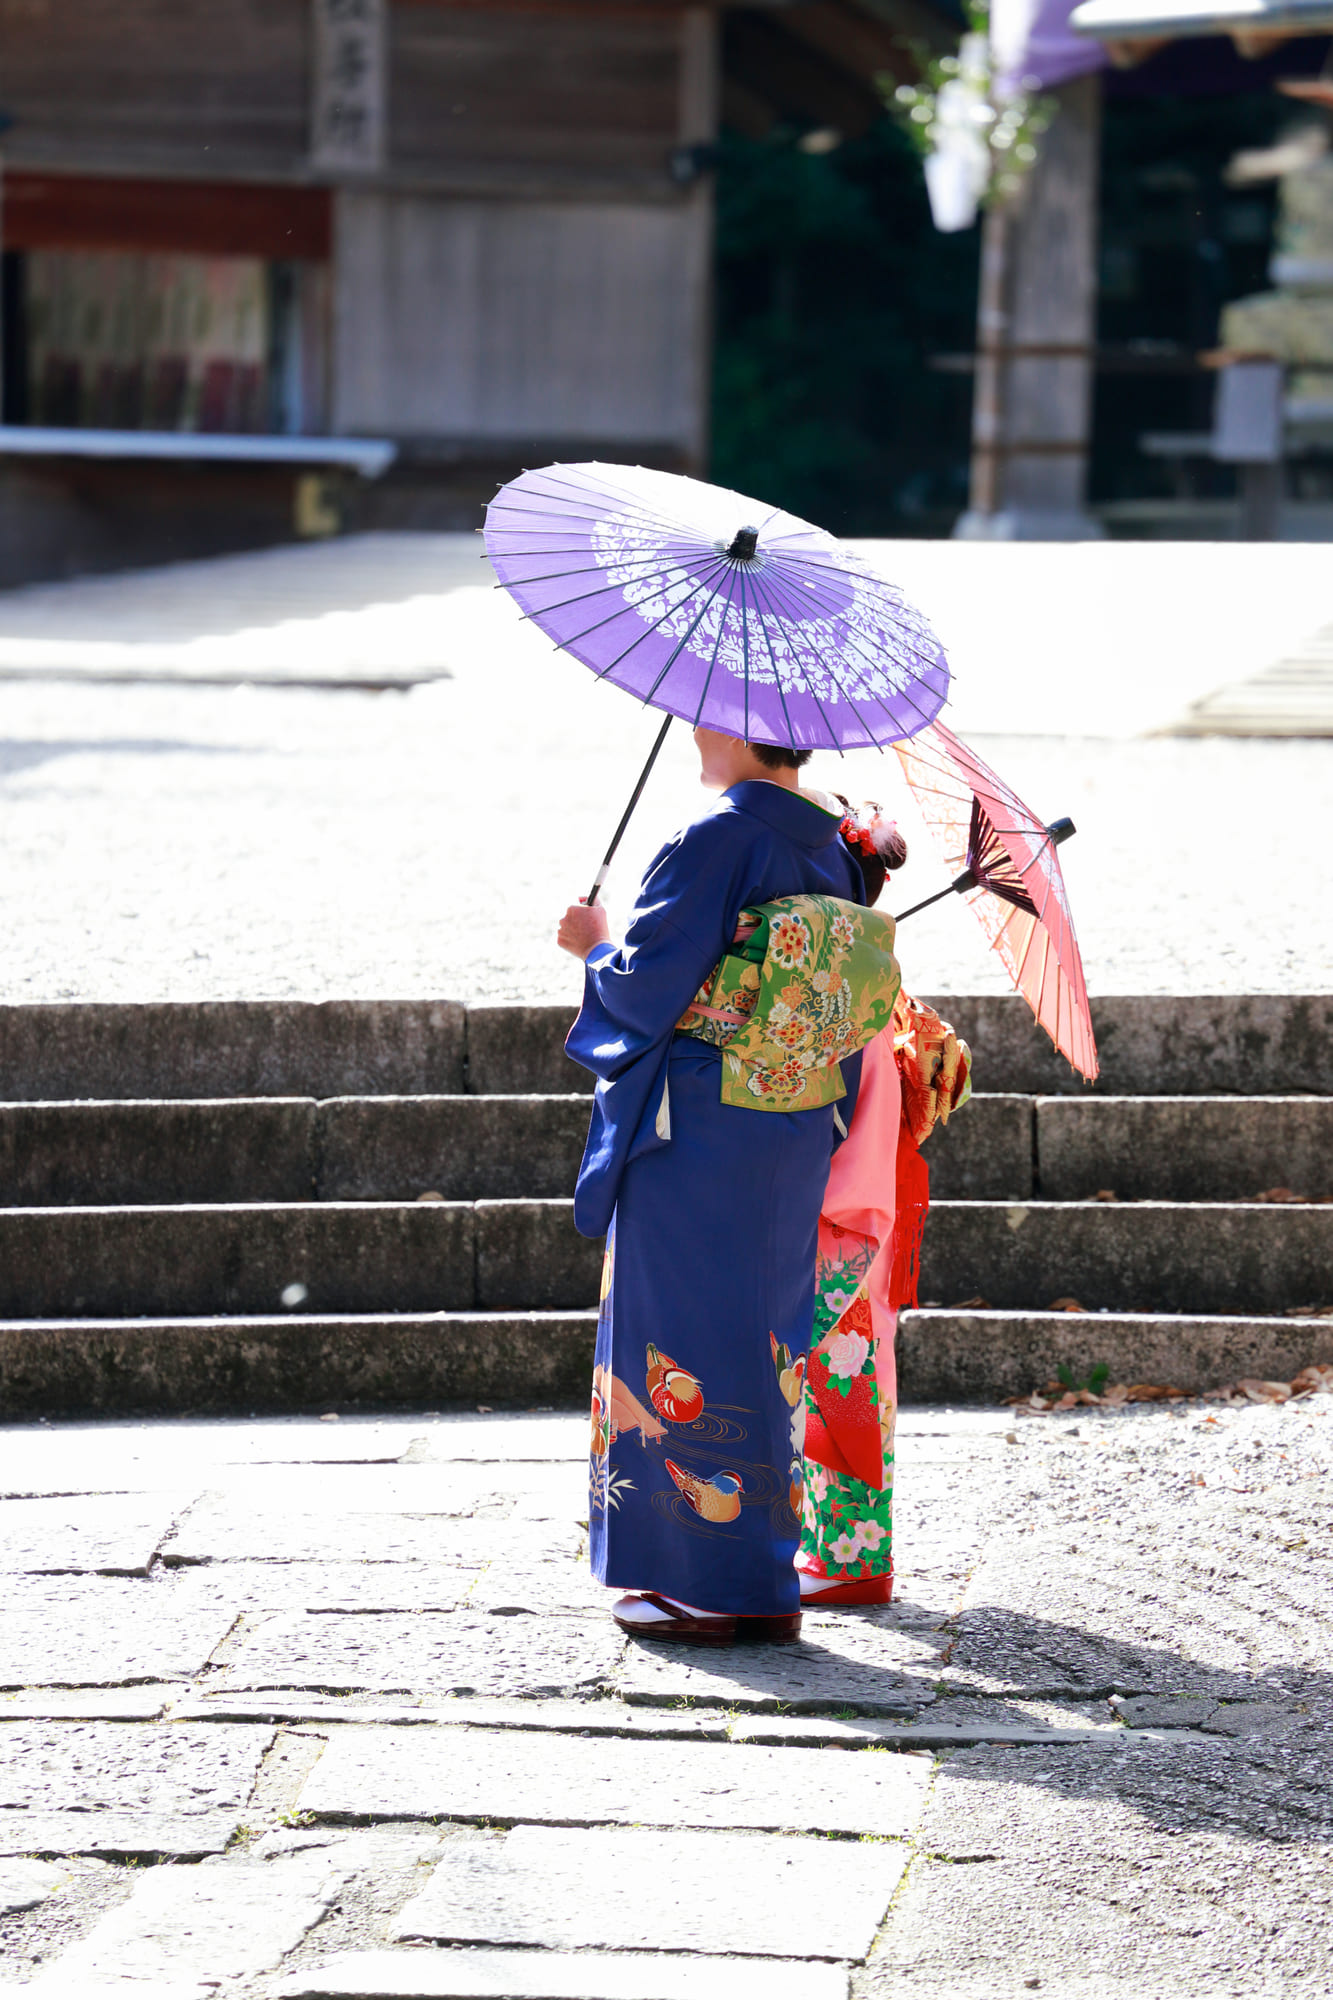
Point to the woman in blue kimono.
(711, 1216)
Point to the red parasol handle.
(1058, 830)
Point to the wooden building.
(476, 231)
(474, 228)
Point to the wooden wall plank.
(184, 86)
(516, 86)
(484, 320)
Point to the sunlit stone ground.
(171, 840)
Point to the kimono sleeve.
(634, 993)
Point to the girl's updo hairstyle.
(875, 844)
(777, 756)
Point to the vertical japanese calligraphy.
(347, 85)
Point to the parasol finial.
(743, 545)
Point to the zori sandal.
(646, 1614)
(820, 1590)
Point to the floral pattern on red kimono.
(851, 1382)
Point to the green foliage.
(832, 288)
(1012, 124)
(1097, 1378)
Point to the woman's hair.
(777, 757)
(875, 844)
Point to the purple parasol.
(715, 608)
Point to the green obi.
(813, 982)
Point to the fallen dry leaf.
(1066, 1306)
(1264, 1392)
(971, 1305)
(1315, 1380)
(1277, 1194)
(1106, 1194)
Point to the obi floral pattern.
(813, 983)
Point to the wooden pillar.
(1036, 330)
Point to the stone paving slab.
(615, 1889)
(98, 1631)
(220, 1530)
(25, 1884)
(542, 1587)
(54, 1986)
(522, 1492)
(437, 1654)
(508, 1440)
(331, 1587)
(171, 1452)
(209, 1924)
(108, 1535)
(87, 1788)
(558, 1975)
(132, 1704)
(938, 1734)
(864, 1662)
(590, 1718)
(488, 1775)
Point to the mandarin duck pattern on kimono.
(673, 1392)
(715, 1499)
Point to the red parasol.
(1012, 879)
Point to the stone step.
(322, 1257)
(1179, 1046)
(970, 1357)
(413, 1257)
(468, 1148)
(294, 1361)
(339, 1361)
(1150, 1256)
(1187, 1046)
(262, 1149)
(1179, 1148)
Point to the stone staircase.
(254, 1206)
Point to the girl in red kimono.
(867, 1265)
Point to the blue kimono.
(712, 1217)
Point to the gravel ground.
(1096, 1727)
(173, 841)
